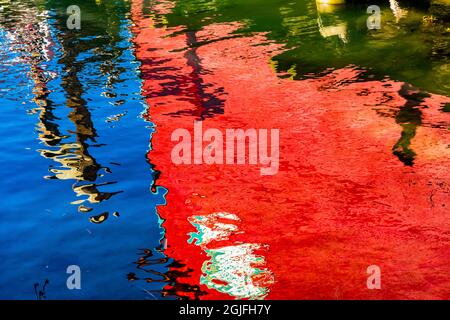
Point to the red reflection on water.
(341, 201)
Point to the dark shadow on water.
(172, 279)
(409, 117)
(40, 291)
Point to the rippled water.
(413, 44)
(74, 155)
(87, 116)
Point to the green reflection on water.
(411, 46)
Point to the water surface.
(88, 181)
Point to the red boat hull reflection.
(341, 201)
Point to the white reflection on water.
(237, 269)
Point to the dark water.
(73, 139)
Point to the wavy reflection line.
(151, 259)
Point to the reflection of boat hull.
(341, 200)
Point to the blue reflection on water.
(71, 131)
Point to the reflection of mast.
(205, 97)
(77, 163)
(31, 37)
(338, 28)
